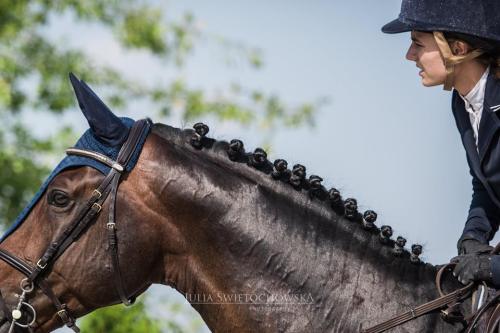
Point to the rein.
(36, 275)
(451, 302)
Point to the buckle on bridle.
(111, 225)
(65, 317)
(97, 193)
(39, 265)
(63, 313)
(96, 207)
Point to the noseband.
(36, 275)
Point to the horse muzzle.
(21, 317)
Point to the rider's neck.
(467, 75)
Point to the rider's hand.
(472, 246)
(473, 267)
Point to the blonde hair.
(490, 49)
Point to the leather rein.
(448, 304)
(36, 275)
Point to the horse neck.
(248, 239)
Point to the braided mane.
(310, 187)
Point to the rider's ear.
(107, 127)
(459, 47)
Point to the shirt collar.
(475, 97)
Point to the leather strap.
(113, 249)
(15, 262)
(444, 300)
(481, 311)
(94, 205)
(124, 157)
(494, 320)
(87, 214)
(450, 300)
(62, 310)
(27, 270)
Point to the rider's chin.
(427, 82)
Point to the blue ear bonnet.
(90, 142)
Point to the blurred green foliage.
(34, 69)
(33, 78)
(118, 319)
(19, 171)
(143, 317)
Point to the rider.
(457, 44)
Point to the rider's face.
(425, 52)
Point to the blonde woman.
(457, 44)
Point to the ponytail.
(490, 48)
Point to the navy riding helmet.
(480, 18)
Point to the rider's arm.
(484, 216)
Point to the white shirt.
(474, 103)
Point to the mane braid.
(262, 170)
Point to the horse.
(254, 246)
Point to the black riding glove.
(471, 246)
(473, 267)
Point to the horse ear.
(107, 127)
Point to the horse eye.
(58, 198)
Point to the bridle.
(36, 275)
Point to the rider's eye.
(58, 198)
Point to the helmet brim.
(396, 27)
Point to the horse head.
(82, 276)
(252, 245)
